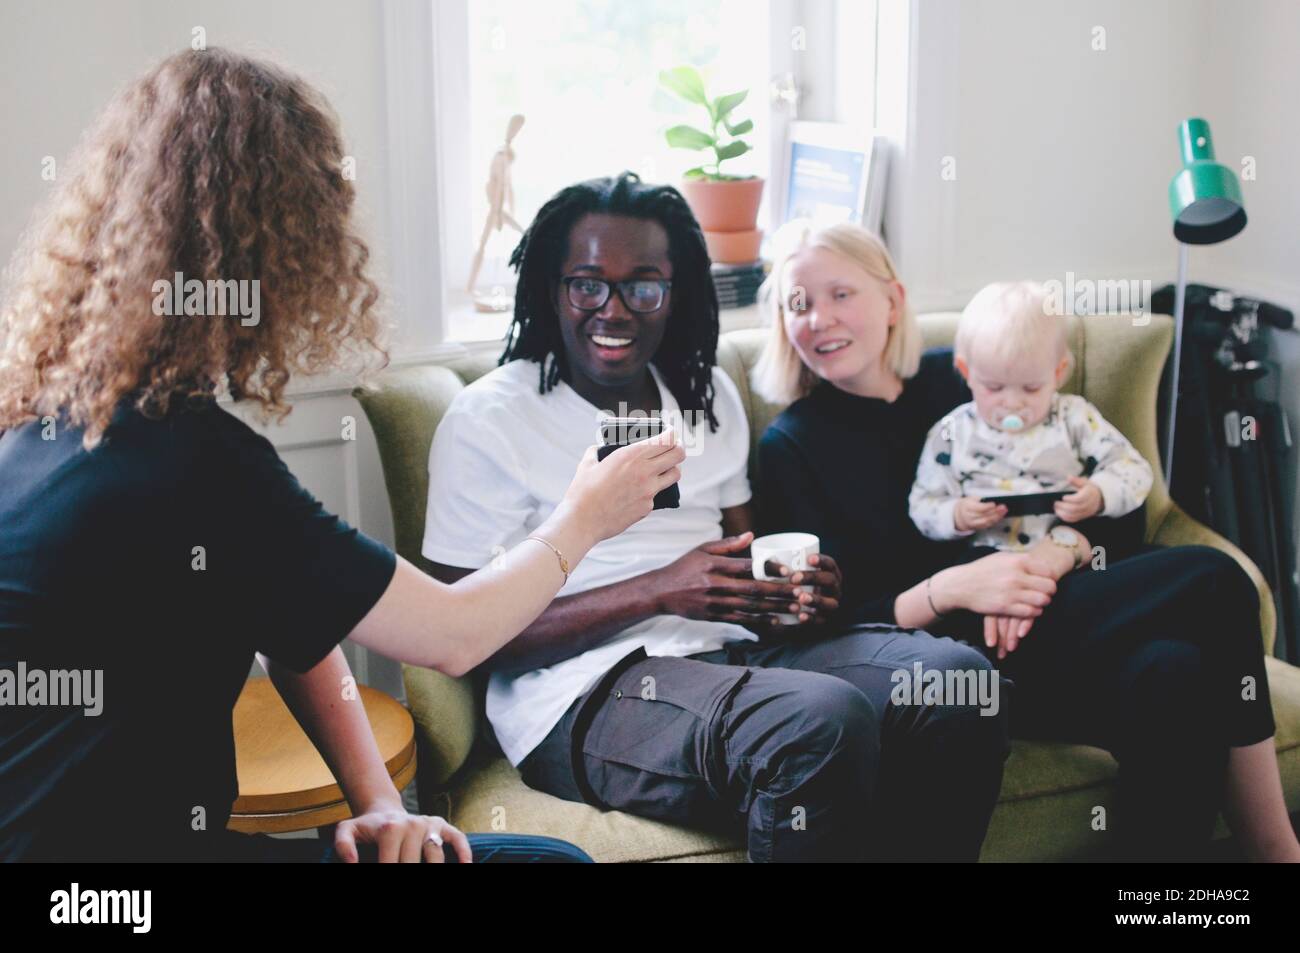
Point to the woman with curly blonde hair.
(152, 544)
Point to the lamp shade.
(1204, 197)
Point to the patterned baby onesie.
(964, 456)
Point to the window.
(585, 75)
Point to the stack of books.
(737, 285)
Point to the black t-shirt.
(163, 559)
(842, 466)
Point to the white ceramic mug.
(789, 549)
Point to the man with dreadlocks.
(649, 662)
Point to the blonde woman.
(1145, 659)
(152, 543)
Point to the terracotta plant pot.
(734, 248)
(726, 206)
(727, 212)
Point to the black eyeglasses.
(641, 295)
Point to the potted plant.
(725, 205)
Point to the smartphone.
(1028, 504)
(618, 432)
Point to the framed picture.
(834, 173)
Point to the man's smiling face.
(611, 345)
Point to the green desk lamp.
(1205, 200)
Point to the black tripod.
(1233, 443)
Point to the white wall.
(60, 60)
(1250, 89)
(1062, 153)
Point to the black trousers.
(1159, 660)
(801, 746)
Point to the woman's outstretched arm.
(453, 628)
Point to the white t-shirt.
(501, 460)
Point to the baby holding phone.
(1020, 435)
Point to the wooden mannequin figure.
(501, 198)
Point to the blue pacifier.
(1012, 422)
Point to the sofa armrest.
(444, 731)
(1179, 529)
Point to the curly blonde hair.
(216, 166)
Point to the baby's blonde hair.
(780, 374)
(1011, 321)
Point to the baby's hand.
(971, 513)
(1085, 501)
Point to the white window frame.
(451, 54)
(415, 197)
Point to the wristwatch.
(1067, 538)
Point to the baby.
(1019, 435)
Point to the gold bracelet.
(564, 563)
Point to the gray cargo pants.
(808, 749)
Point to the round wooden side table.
(284, 783)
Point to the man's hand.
(826, 579)
(971, 513)
(400, 837)
(1085, 501)
(710, 583)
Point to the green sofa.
(1049, 791)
